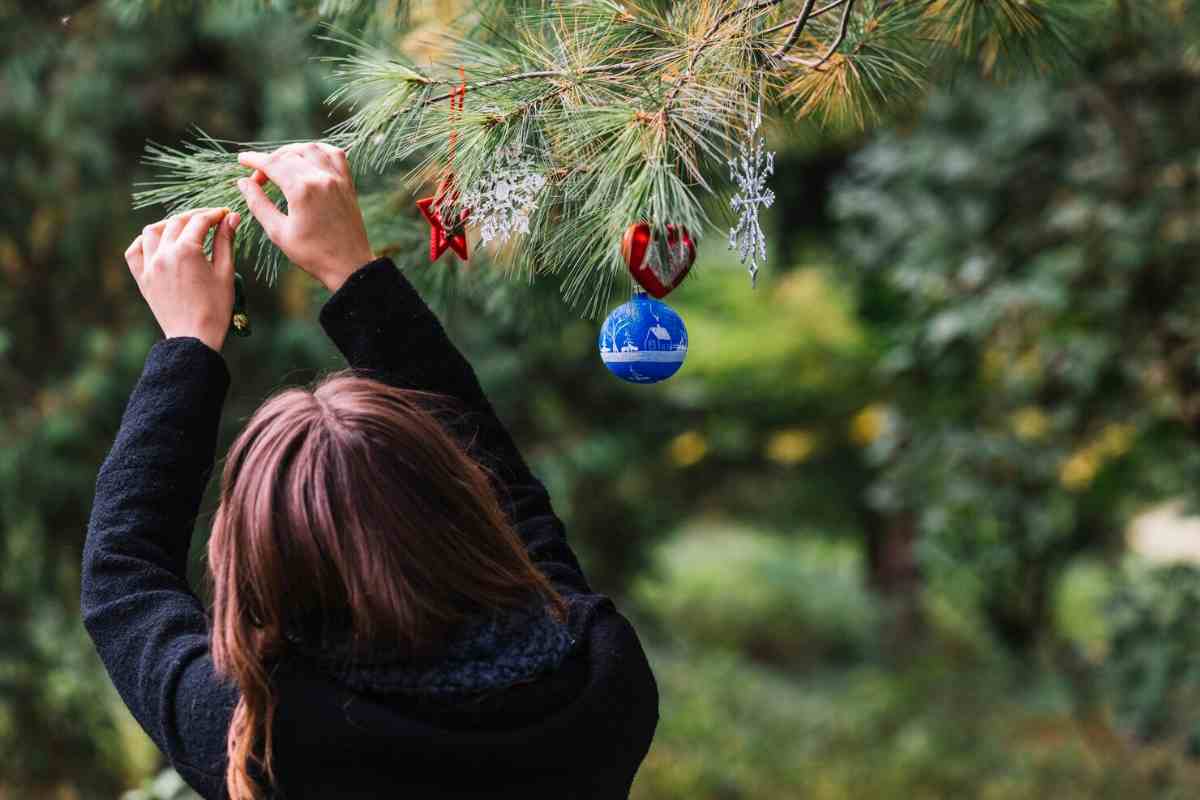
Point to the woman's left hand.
(188, 294)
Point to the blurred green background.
(912, 520)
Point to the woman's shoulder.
(617, 661)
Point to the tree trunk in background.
(893, 573)
(1019, 616)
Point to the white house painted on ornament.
(657, 338)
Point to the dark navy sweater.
(579, 730)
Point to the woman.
(396, 610)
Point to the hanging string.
(456, 111)
(762, 81)
(446, 185)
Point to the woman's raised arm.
(386, 330)
(150, 630)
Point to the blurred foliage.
(958, 718)
(765, 437)
(1029, 258)
(788, 601)
(1155, 658)
(166, 785)
(81, 92)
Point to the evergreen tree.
(624, 111)
(1028, 256)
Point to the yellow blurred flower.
(1003, 362)
(791, 446)
(687, 448)
(1115, 440)
(1029, 423)
(868, 424)
(1079, 470)
(1028, 365)
(995, 361)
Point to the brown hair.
(350, 499)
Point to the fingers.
(283, 167)
(174, 224)
(337, 156)
(198, 224)
(133, 257)
(291, 161)
(267, 165)
(311, 152)
(254, 160)
(151, 236)
(318, 155)
(341, 164)
(190, 225)
(223, 246)
(266, 212)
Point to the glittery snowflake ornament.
(750, 170)
(502, 199)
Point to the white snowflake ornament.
(502, 199)
(750, 170)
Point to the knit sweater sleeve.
(385, 330)
(150, 630)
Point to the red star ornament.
(439, 239)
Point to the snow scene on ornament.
(643, 341)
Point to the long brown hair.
(350, 501)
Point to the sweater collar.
(492, 650)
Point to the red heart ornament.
(645, 258)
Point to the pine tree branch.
(728, 15)
(841, 34)
(797, 29)
(712, 32)
(694, 54)
(819, 12)
(626, 118)
(530, 105)
(706, 42)
(615, 69)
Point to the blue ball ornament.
(643, 341)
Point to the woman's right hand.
(323, 231)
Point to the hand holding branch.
(188, 294)
(322, 231)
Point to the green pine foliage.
(630, 110)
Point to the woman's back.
(579, 731)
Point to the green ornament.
(240, 324)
